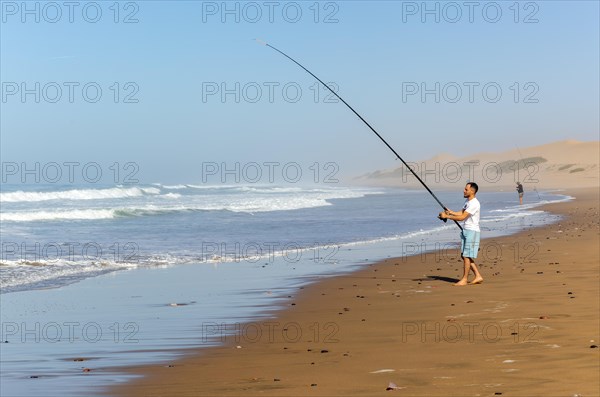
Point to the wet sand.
(531, 329)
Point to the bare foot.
(461, 282)
(478, 280)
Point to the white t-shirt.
(473, 208)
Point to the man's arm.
(454, 216)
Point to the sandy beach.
(531, 329)
(242, 198)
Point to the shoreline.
(115, 263)
(355, 333)
(154, 315)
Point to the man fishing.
(470, 211)
(520, 191)
(470, 234)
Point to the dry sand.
(526, 331)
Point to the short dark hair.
(474, 186)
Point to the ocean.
(104, 271)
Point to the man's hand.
(443, 215)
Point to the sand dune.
(563, 164)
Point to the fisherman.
(520, 191)
(470, 234)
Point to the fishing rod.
(364, 121)
(527, 169)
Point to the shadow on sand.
(441, 278)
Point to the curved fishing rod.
(364, 121)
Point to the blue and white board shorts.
(469, 246)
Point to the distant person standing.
(520, 191)
(470, 234)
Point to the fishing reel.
(440, 216)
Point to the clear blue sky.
(374, 51)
